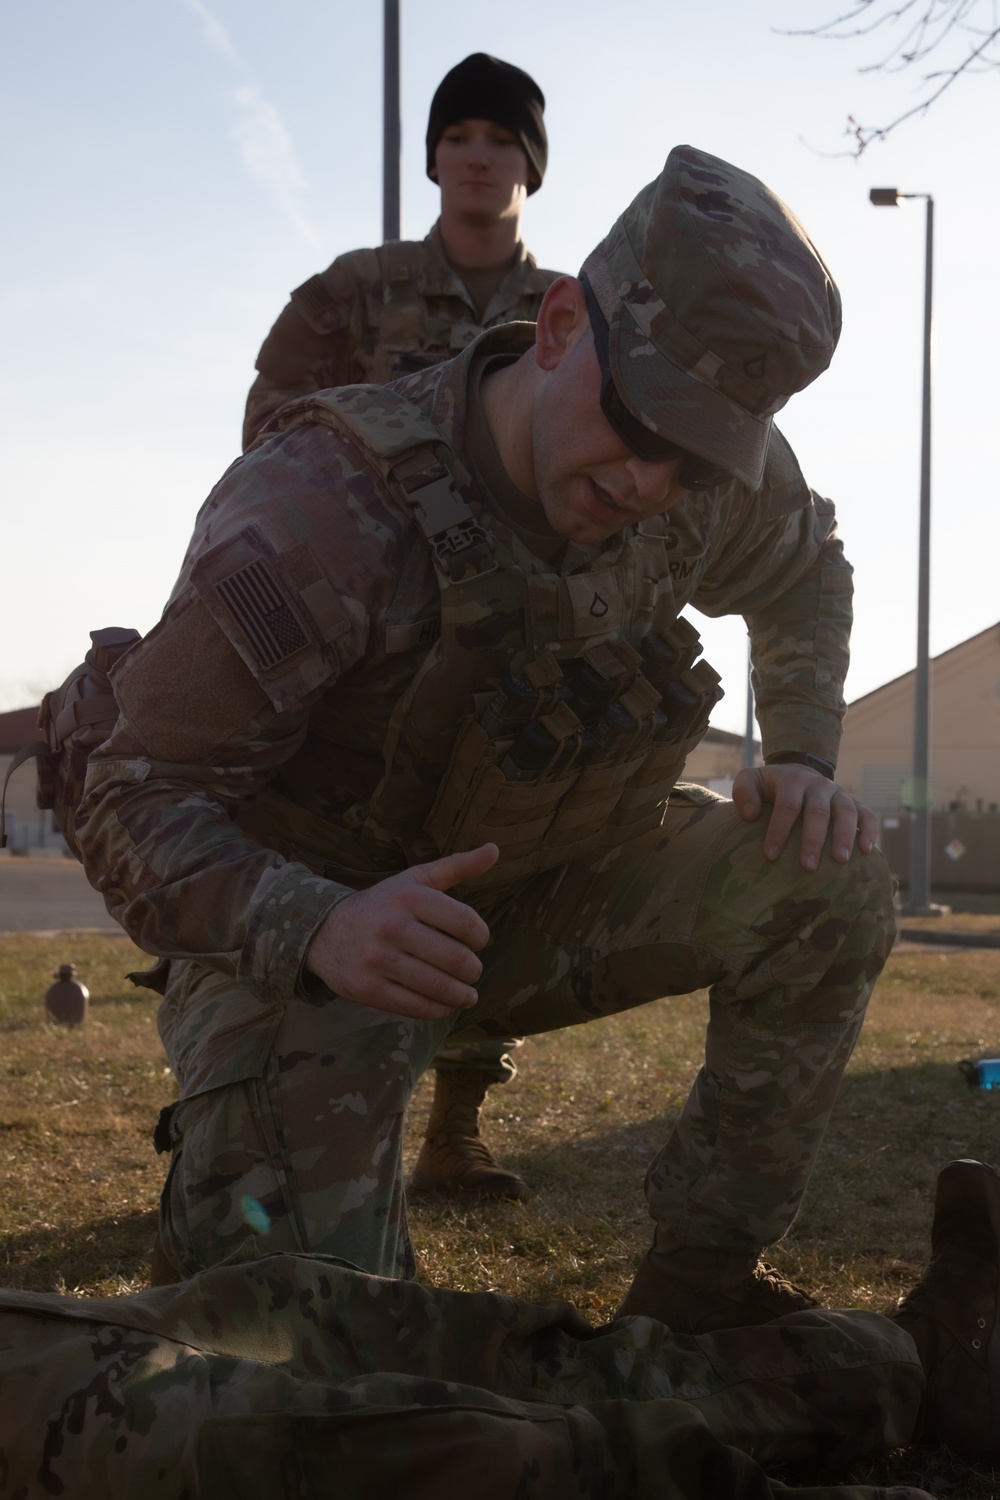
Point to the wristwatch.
(803, 758)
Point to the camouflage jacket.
(210, 715)
(376, 315)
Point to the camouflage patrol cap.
(719, 307)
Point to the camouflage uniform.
(292, 1098)
(303, 1377)
(375, 315)
(308, 716)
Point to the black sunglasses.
(695, 473)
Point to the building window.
(881, 787)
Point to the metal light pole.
(918, 898)
(749, 747)
(391, 133)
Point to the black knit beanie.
(484, 88)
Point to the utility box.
(965, 849)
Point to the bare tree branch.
(964, 34)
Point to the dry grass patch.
(592, 1105)
(589, 1109)
(78, 1177)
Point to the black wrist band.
(803, 758)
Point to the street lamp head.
(885, 197)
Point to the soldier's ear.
(562, 321)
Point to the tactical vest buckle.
(445, 520)
(457, 539)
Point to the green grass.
(77, 1107)
(587, 1111)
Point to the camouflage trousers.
(289, 1133)
(299, 1377)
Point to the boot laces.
(767, 1278)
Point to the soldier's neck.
(479, 244)
(506, 394)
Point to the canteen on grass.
(66, 1000)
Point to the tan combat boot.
(699, 1291)
(454, 1157)
(951, 1314)
(162, 1271)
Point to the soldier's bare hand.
(793, 792)
(406, 946)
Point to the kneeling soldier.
(426, 638)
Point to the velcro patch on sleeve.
(183, 689)
(324, 302)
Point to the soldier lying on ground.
(374, 315)
(427, 636)
(298, 1376)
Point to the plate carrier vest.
(551, 717)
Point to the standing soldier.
(375, 315)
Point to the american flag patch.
(258, 604)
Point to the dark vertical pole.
(920, 827)
(391, 135)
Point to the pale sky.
(173, 168)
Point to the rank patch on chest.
(255, 598)
(593, 603)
